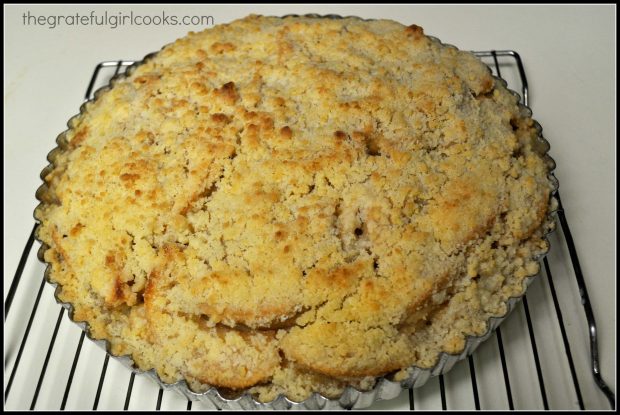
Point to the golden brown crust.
(370, 194)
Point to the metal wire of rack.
(491, 378)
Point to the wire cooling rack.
(539, 359)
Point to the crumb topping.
(295, 205)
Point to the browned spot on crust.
(218, 47)
(59, 248)
(119, 292)
(372, 146)
(358, 136)
(342, 277)
(286, 132)
(220, 118)
(76, 229)
(415, 31)
(179, 103)
(129, 177)
(150, 290)
(340, 135)
(79, 137)
(487, 85)
(144, 79)
(228, 92)
(285, 47)
(265, 122)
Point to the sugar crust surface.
(296, 205)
